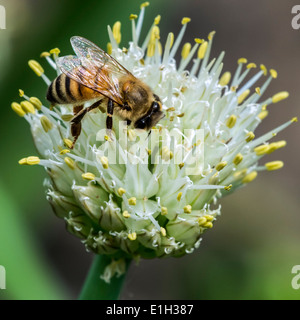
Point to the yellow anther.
(170, 109)
(132, 236)
(126, 214)
(202, 50)
(155, 34)
(243, 96)
(276, 145)
(21, 93)
(240, 173)
(88, 176)
(264, 69)
(159, 47)
(185, 20)
(250, 136)
(187, 209)
(27, 107)
(280, 96)
(166, 154)
(164, 211)
(180, 115)
(144, 4)
(171, 35)
(295, 119)
(233, 89)
(33, 160)
(107, 138)
(273, 73)
(46, 123)
(238, 159)
(45, 54)
(249, 177)
(274, 165)
(181, 165)
(211, 35)
(104, 162)
(163, 231)
(198, 40)
(23, 161)
(109, 48)
(55, 51)
(257, 90)
(36, 67)
(64, 151)
(209, 217)
(227, 188)
(261, 150)
(242, 60)
(221, 165)
(262, 115)
(151, 49)
(36, 102)
(18, 109)
(133, 16)
(68, 143)
(208, 225)
(226, 77)
(70, 163)
(132, 201)
(186, 49)
(280, 144)
(264, 107)
(67, 117)
(179, 196)
(121, 191)
(251, 65)
(230, 123)
(117, 31)
(157, 20)
(202, 221)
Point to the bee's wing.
(93, 68)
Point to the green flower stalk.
(130, 195)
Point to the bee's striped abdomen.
(64, 90)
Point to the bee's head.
(151, 118)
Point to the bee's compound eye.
(155, 107)
(140, 124)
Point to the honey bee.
(94, 75)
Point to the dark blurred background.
(255, 243)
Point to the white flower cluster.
(141, 208)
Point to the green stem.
(95, 288)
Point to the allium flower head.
(132, 195)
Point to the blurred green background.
(255, 243)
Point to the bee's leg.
(77, 109)
(79, 113)
(109, 111)
(75, 131)
(76, 126)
